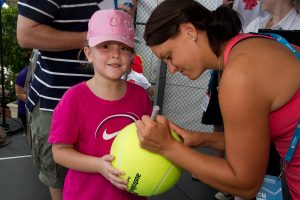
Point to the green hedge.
(14, 57)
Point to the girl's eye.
(124, 48)
(105, 46)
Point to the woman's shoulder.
(264, 66)
(259, 42)
(253, 58)
(248, 48)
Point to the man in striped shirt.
(57, 28)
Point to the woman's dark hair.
(163, 24)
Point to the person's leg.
(56, 194)
(50, 173)
(22, 117)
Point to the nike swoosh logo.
(107, 136)
(131, 116)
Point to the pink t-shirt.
(91, 124)
(283, 124)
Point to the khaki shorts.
(50, 173)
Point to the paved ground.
(19, 178)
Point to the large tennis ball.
(147, 173)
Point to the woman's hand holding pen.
(155, 135)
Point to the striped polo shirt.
(57, 71)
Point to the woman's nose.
(172, 69)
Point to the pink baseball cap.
(110, 25)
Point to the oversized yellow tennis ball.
(147, 173)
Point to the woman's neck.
(278, 13)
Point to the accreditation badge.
(271, 189)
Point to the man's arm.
(31, 34)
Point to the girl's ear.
(87, 52)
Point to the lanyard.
(291, 150)
(293, 144)
(283, 41)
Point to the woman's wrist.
(170, 149)
(202, 139)
(215, 140)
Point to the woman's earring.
(190, 35)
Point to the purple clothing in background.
(20, 81)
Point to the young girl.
(91, 113)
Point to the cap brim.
(100, 39)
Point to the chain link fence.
(179, 98)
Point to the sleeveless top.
(283, 122)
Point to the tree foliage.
(14, 57)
